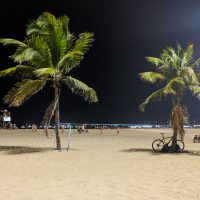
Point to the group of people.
(81, 129)
(101, 130)
(10, 126)
(196, 139)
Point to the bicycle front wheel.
(157, 145)
(181, 144)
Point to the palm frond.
(70, 60)
(174, 86)
(57, 39)
(171, 56)
(84, 42)
(35, 52)
(22, 91)
(195, 89)
(22, 71)
(154, 61)
(38, 44)
(64, 21)
(198, 76)
(36, 28)
(188, 53)
(156, 96)
(81, 89)
(151, 77)
(179, 49)
(54, 32)
(47, 18)
(189, 75)
(24, 54)
(50, 71)
(196, 63)
(9, 41)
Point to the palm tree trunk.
(174, 140)
(57, 118)
(176, 100)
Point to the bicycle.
(158, 144)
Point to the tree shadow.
(152, 152)
(135, 150)
(71, 149)
(13, 150)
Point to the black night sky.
(125, 32)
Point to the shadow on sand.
(138, 150)
(135, 150)
(12, 150)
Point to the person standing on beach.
(117, 130)
(9, 126)
(34, 127)
(101, 130)
(14, 126)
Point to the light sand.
(99, 167)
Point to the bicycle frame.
(165, 138)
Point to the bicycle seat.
(162, 133)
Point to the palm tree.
(175, 71)
(46, 57)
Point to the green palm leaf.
(19, 71)
(173, 86)
(81, 89)
(195, 89)
(9, 41)
(46, 72)
(189, 75)
(156, 96)
(64, 21)
(70, 60)
(187, 55)
(36, 28)
(196, 63)
(151, 77)
(35, 52)
(84, 42)
(154, 61)
(23, 91)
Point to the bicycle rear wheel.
(157, 145)
(181, 144)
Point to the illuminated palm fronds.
(47, 55)
(176, 71)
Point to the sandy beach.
(98, 167)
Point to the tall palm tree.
(46, 56)
(175, 71)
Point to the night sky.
(125, 32)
